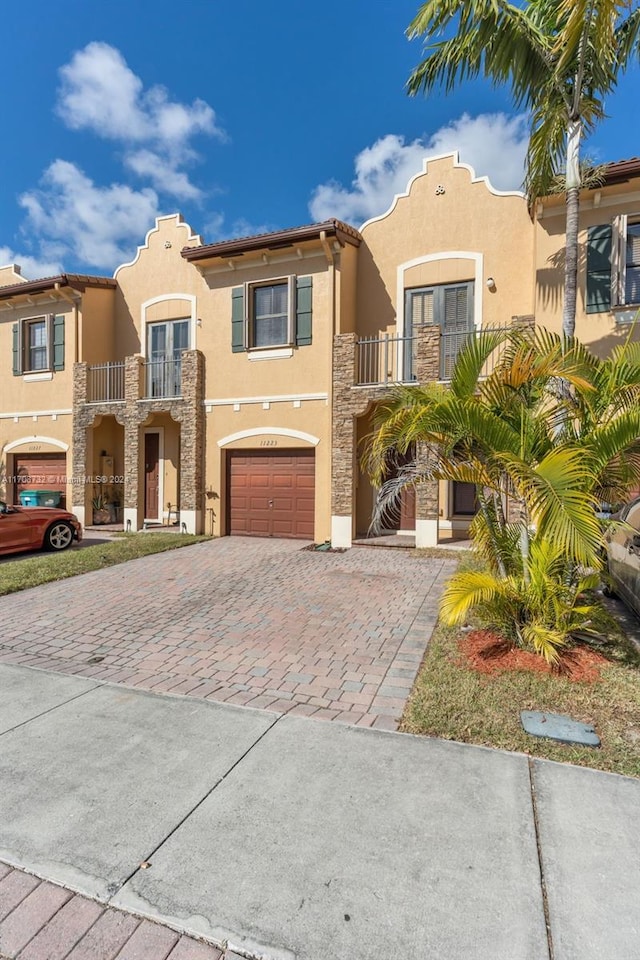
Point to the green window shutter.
(58, 343)
(303, 311)
(17, 352)
(237, 320)
(599, 250)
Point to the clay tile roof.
(621, 170)
(275, 240)
(76, 281)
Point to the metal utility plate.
(555, 726)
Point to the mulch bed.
(489, 653)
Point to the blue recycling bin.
(40, 498)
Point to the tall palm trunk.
(572, 209)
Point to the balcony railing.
(163, 378)
(388, 359)
(105, 382)
(384, 360)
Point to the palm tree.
(541, 457)
(561, 57)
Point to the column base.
(130, 519)
(341, 532)
(190, 521)
(426, 533)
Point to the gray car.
(623, 555)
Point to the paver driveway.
(260, 622)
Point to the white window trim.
(189, 297)
(620, 225)
(478, 260)
(270, 353)
(257, 353)
(35, 377)
(47, 370)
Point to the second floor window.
(450, 306)
(166, 342)
(35, 346)
(632, 264)
(38, 346)
(269, 320)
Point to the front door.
(151, 476)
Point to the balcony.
(105, 382)
(383, 360)
(163, 378)
(429, 354)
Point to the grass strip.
(455, 702)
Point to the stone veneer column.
(428, 354)
(343, 440)
(192, 431)
(81, 491)
(427, 504)
(427, 493)
(133, 383)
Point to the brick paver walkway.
(338, 636)
(42, 921)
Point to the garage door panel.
(271, 494)
(44, 471)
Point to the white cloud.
(493, 144)
(33, 268)
(99, 92)
(95, 225)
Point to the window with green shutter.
(58, 343)
(599, 251)
(17, 350)
(237, 320)
(272, 314)
(304, 288)
(38, 345)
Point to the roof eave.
(278, 240)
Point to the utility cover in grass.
(555, 726)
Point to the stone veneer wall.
(188, 410)
(351, 401)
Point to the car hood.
(46, 513)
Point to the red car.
(35, 528)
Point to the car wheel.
(59, 536)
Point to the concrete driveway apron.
(263, 623)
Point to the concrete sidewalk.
(281, 837)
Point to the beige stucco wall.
(311, 417)
(447, 213)
(600, 331)
(97, 326)
(162, 285)
(34, 413)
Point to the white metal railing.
(105, 382)
(163, 378)
(384, 359)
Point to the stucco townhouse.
(228, 387)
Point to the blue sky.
(245, 117)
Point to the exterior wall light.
(491, 284)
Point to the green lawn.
(20, 574)
(453, 701)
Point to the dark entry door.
(151, 476)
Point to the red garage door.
(40, 471)
(271, 494)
